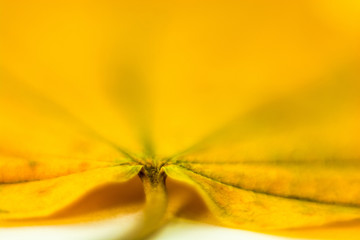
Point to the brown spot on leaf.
(83, 166)
(46, 190)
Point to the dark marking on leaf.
(2, 211)
(33, 163)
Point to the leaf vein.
(292, 197)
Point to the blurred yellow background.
(179, 68)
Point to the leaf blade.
(42, 198)
(258, 211)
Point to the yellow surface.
(42, 198)
(254, 105)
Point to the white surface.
(103, 230)
(194, 231)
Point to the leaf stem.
(156, 202)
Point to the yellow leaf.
(238, 113)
